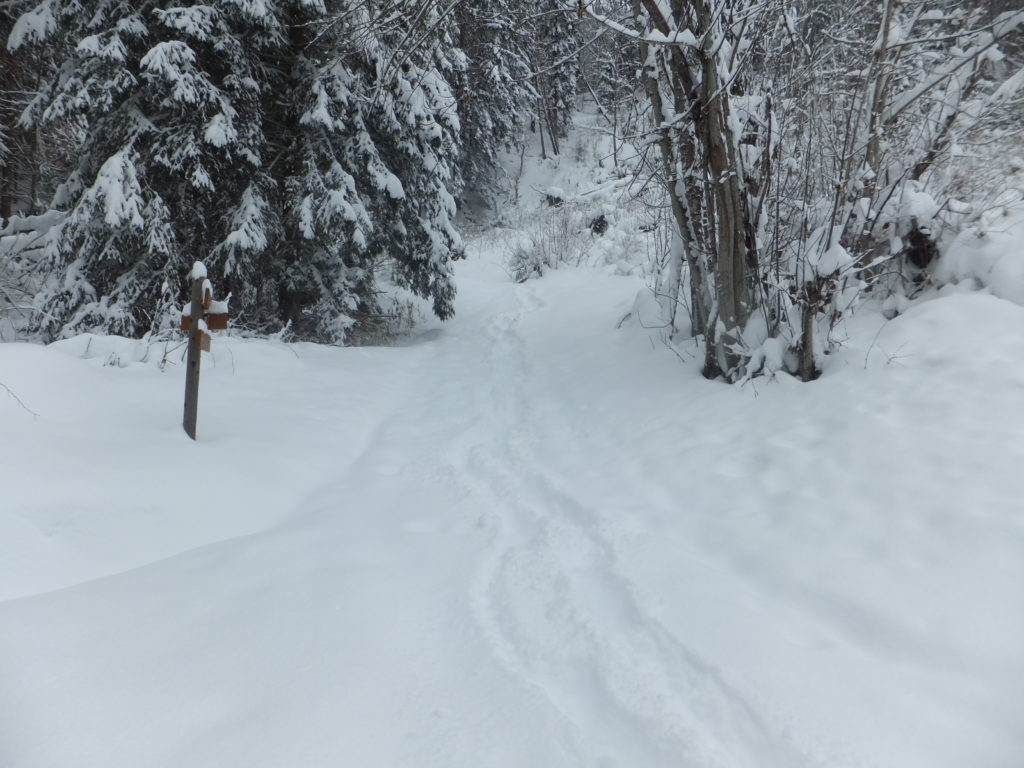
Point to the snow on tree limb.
(35, 26)
(1006, 24)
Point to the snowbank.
(991, 252)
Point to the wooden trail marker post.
(199, 339)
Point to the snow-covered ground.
(533, 536)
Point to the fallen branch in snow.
(18, 400)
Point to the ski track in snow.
(480, 572)
(562, 617)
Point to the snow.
(33, 26)
(173, 61)
(990, 253)
(917, 204)
(118, 187)
(196, 22)
(247, 226)
(32, 224)
(91, 44)
(530, 536)
(1004, 25)
(221, 131)
(385, 180)
(677, 37)
(1009, 87)
(198, 271)
(823, 261)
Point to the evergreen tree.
(172, 100)
(367, 171)
(494, 90)
(289, 143)
(24, 154)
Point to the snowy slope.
(526, 538)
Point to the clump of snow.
(220, 130)
(646, 311)
(826, 258)
(918, 204)
(110, 350)
(682, 37)
(991, 251)
(118, 188)
(247, 227)
(32, 26)
(40, 223)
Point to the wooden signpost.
(203, 311)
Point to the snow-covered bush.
(793, 148)
(593, 230)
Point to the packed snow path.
(526, 538)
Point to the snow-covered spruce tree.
(493, 89)
(366, 153)
(9, 110)
(11, 88)
(174, 142)
(237, 133)
(413, 119)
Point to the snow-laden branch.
(33, 26)
(655, 37)
(1004, 26)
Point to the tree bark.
(725, 202)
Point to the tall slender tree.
(554, 56)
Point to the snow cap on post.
(198, 271)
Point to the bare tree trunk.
(808, 370)
(552, 121)
(880, 67)
(703, 177)
(726, 202)
(677, 152)
(6, 193)
(541, 116)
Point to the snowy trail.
(881, 619)
(524, 539)
(561, 617)
(444, 538)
